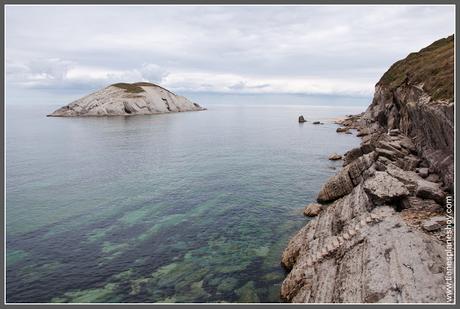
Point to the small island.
(125, 99)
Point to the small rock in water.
(339, 130)
(335, 157)
(301, 119)
(312, 210)
(316, 122)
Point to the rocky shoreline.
(379, 235)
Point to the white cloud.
(231, 49)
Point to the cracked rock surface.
(379, 237)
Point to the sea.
(191, 207)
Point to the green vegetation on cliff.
(131, 88)
(432, 66)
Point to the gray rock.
(434, 223)
(341, 129)
(430, 190)
(127, 99)
(350, 176)
(423, 172)
(384, 189)
(312, 210)
(335, 157)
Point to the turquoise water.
(185, 207)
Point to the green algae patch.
(134, 216)
(98, 295)
(247, 293)
(227, 285)
(15, 256)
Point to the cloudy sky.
(68, 51)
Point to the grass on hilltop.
(433, 66)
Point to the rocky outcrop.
(379, 239)
(127, 99)
(335, 157)
(415, 97)
(312, 210)
(301, 119)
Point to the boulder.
(312, 210)
(384, 189)
(423, 172)
(335, 157)
(430, 190)
(393, 132)
(316, 122)
(352, 155)
(341, 129)
(301, 119)
(349, 177)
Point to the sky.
(56, 53)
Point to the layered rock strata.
(378, 237)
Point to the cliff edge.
(382, 235)
(125, 99)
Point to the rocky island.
(382, 235)
(125, 99)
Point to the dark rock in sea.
(335, 157)
(342, 129)
(301, 119)
(316, 122)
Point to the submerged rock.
(127, 99)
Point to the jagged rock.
(352, 155)
(391, 155)
(342, 183)
(408, 163)
(312, 210)
(391, 260)
(366, 267)
(384, 189)
(423, 172)
(362, 132)
(430, 190)
(335, 157)
(433, 178)
(434, 223)
(340, 130)
(301, 119)
(127, 99)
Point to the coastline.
(371, 225)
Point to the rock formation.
(124, 99)
(301, 119)
(379, 239)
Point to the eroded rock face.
(342, 183)
(127, 99)
(379, 239)
(383, 188)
